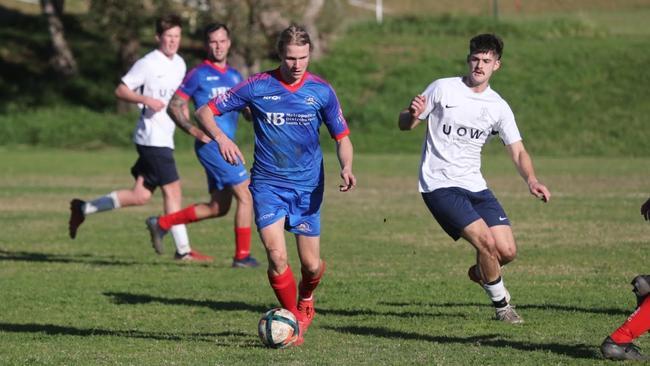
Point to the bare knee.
(507, 255)
(311, 269)
(487, 246)
(218, 209)
(277, 260)
(141, 197)
(245, 200)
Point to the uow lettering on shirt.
(462, 131)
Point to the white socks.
(179, 232)
(496, 291)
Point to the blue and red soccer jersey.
(286, 120)
(207, 81)
(202, 83)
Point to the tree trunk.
(128, 53)
(62, 60)
(309, 19)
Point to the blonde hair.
(295, 35)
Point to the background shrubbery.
(576, 88)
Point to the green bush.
(574, 88)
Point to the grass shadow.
(123, 298)
(583, 351)
(553, 307)
(241, 339)
(22, 256)
(402, 314)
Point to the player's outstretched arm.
(180, 114)
(408, 118)
(645, 210)
(124, 93)
(229, 150)
(345, 152)
(524, 165)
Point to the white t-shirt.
(156, 76)
(459, 123)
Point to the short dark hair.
(485, 43)
(294, 34)
(166, 22)
(213, 27)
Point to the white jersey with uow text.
(459, 123)
(155, 75)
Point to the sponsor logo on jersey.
(462, 131)
(215, 92)
(304, 227)
(280, 118)
(166, 93)
(267, 216)
(309, 100)
(272, 97)
(485, 115)
(211, 78)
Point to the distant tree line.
(255, 25)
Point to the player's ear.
(497, 65)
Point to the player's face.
(481, 67)
(169, 41)
(218, 45)
(294, 62)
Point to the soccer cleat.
(307, 312)
(474, 274)
(193, 256)
(156, 233)
(248, 262)
(620, 352)
(641, 288)
(300, 338)
(77, 216)
(509, 315)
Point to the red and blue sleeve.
(189, 85)
(235, 99)
(334, 119)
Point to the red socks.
(308, 284)
(242, 242)
(183, 216)
(284, 287)
(637, 324)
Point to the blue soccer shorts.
(299, 208)
(454, 208)
(219, 172)
(156, 165)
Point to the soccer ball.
(278, 328)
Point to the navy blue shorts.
(454, 208)
(299, 208)
(156, 165)
(220, 173)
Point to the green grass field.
(396, 290)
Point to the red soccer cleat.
(193, 256)
(306, 313)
